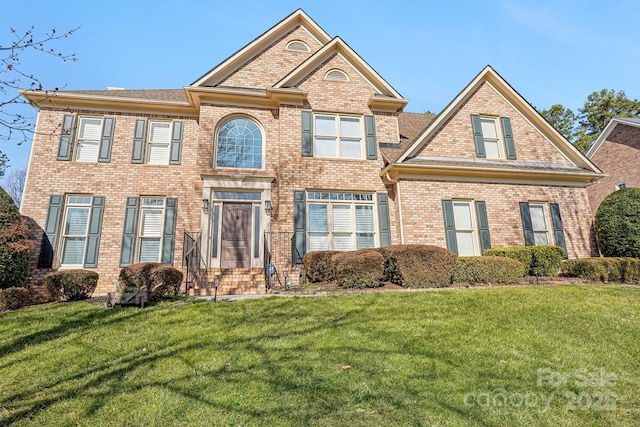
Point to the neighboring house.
(617, 153)
(293, 144)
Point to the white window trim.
(331, 203)
(264, 143)
(149, 143)
(334, 71)
(547, 217)
(337, 136)
(499, 136)
(474, 226)
(63, 236)
(139, 236)
(289, 48)
(80, 140)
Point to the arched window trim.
(219, 127)
(334, 75)
(297, 42)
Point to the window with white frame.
(150, 230)
(239, 144)
(340, 221)
(159, 140)
(338, 136)
(539, 223)
(465, 230)
(88, 140)
(75, 229)
(491, 137)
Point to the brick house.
(292, 144)
(617, 153)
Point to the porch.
(281, 268)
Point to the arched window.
(239, 144)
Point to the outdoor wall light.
(267, 207)
(205, 206)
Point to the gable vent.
(337, 75)
(298, 46)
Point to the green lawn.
(559, 355)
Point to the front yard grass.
(548, 355)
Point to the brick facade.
(415, 210)
(618, 157)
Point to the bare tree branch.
(13, 184)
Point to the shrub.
(547, 259)
(358, 269)
(13, 298)
(15, 246)
(418, 266)
(542, 259)
(160, 280)
(71, 285)
(617, 224)
(519, 253)
(603, 269)
(318, 266)
(487, 269)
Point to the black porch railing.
(279, 255)
(192, 258)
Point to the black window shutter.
(169, 234)
(307, 133)
(137, 154)
(176, 143)
(129, 231)
(370, 135)
(477, 136)
(300, 223)
(106, 141)
(558, 231)
(95, 229)
(383, 219)
(527, 227)
(66, 136)
(50, 231)
(483, 225)
(449, 226)
(508, 138)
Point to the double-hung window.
(539, 223)
(150, 231)
(88, 143)
(338, 136)
(159, 141)
(75, 228)
(542, 224)
(340, 221)
(493, 137)
(466, 226)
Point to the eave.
(388, 105)
(69, 100)
(393, 172)
(265, 98)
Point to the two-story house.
(293, 144)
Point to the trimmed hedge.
(160, 280)
(358, 269)
(71, 285)
(603, 269)
(617, 224)
(318, 266)
(487, 269)
(418, 266)
(13, 298)
(542, 259)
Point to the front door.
(236, 235)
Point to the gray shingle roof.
(172, 95)
(410, 126)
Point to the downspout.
(400, 219)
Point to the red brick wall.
(618, 157)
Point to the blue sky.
(549, 51)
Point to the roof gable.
(488, 75)
(244, 55)
(338, 46)
(607, 131)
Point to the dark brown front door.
(236, 235)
